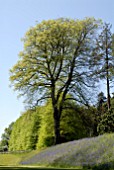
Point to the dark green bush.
(106, 124)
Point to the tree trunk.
(108, 94)
(56, 126)
(107, 75)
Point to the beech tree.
(55, 62)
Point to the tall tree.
(55, 63)
(104, 48)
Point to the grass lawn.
(14, 159)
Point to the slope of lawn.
(85, 152)
(90, 153)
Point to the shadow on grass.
(105, 166)
(33, 168)
(23, 168)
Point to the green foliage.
(56, 61)
(106, 124)
(35, 129)
(4, 144)
(25, 132)
(55, 55)
(71, 126)
(101, 99)
(89, 119)
(112, 101)
(46, 131)
(105, 117)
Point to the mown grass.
(15, 158)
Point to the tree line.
(34, 129)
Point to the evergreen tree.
(105, 57)
(106, 124)
(101, 99)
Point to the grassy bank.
(89, 153)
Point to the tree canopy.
(56, 53)
(57, 60)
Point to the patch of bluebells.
(85, 152)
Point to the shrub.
(106, 124)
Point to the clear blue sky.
(16, 17)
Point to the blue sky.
(16, 17)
